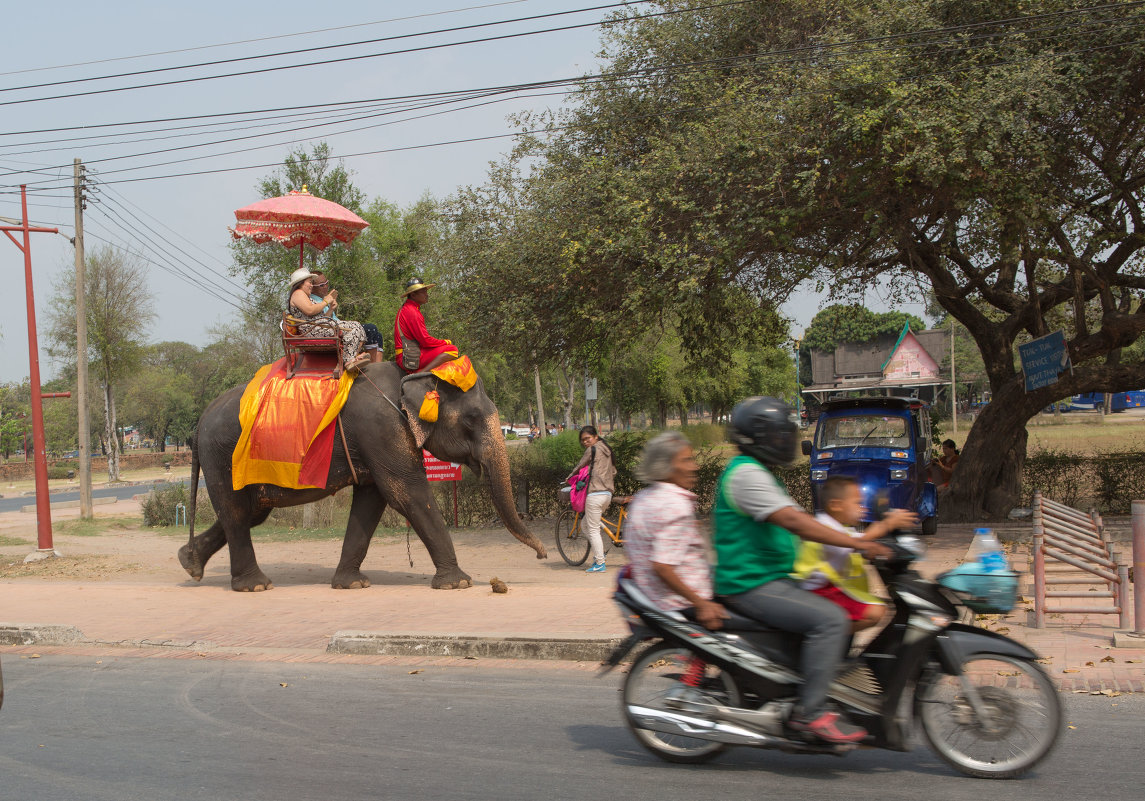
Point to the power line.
(345, 59)
(557, 129)
(548, 130)
(818, 50)
(162, 260)
(263, 38)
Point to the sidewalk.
(551, 611)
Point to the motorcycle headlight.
(818, 475)
(898, 475)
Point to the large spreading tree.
(989, 153)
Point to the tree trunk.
(540, 401)
(987, 481)
(683, 415)
(112, 446)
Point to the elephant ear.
(414, 388)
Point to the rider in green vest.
(757, 531)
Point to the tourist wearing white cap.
(302, 307)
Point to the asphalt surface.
(113, 729)
(17, 502)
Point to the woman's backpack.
(579, 491)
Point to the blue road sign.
(1043, 360)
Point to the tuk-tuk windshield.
(864, 430)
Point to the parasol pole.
(302, 253)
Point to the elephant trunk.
(495, 463)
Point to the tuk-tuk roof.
(873, 402)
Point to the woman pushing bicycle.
(601, 478)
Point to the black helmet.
(765, 429)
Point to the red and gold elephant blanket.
(287, 428)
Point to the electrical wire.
(263, 38)
(160, 259)
(817, 49)
(557, 129)
(220, 280)
(436, 144)
(344, 59)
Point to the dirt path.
(118, 548)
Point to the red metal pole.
(1139, 568)
(43, 506)
(1039, 555)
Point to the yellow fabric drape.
(459, 373)
(280, 420)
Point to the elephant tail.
(194, 494)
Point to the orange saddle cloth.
(287, 428)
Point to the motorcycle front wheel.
(655, 674)
(1022, 720)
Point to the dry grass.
(1118, 434)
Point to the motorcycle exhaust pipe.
(673, 723)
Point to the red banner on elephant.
(437, 470)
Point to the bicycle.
(572, 541)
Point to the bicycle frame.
(614, 530)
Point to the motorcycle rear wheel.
(1024, 706)
(657, 670)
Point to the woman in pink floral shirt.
(662, 538)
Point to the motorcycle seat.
(735, 621)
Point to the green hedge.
(1110, 481)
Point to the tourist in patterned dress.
(306, 310)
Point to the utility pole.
(44, 547)
(81, 349)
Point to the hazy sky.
(179, 224)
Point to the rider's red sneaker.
(830, 727)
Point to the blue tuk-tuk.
(882, 443)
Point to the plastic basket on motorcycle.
(985, 592)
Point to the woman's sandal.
(357, 362)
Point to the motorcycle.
(984, 704)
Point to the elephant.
(385, 445)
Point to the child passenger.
(837, 573)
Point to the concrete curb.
(34, 634)
(365, 643)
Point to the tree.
(119, 311)
(990, 152)
(160, 403)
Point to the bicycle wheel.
(653, 676)
(1024, 716)
(571, 541)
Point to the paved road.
(121, 729)
(16, 503)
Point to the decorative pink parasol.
(297, 219)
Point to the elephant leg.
(365, 512)
(194, 559)
(415, 501)
(246, 575)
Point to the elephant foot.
(191, 562)
(255, 582)
(455, 579)
(350, 580)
